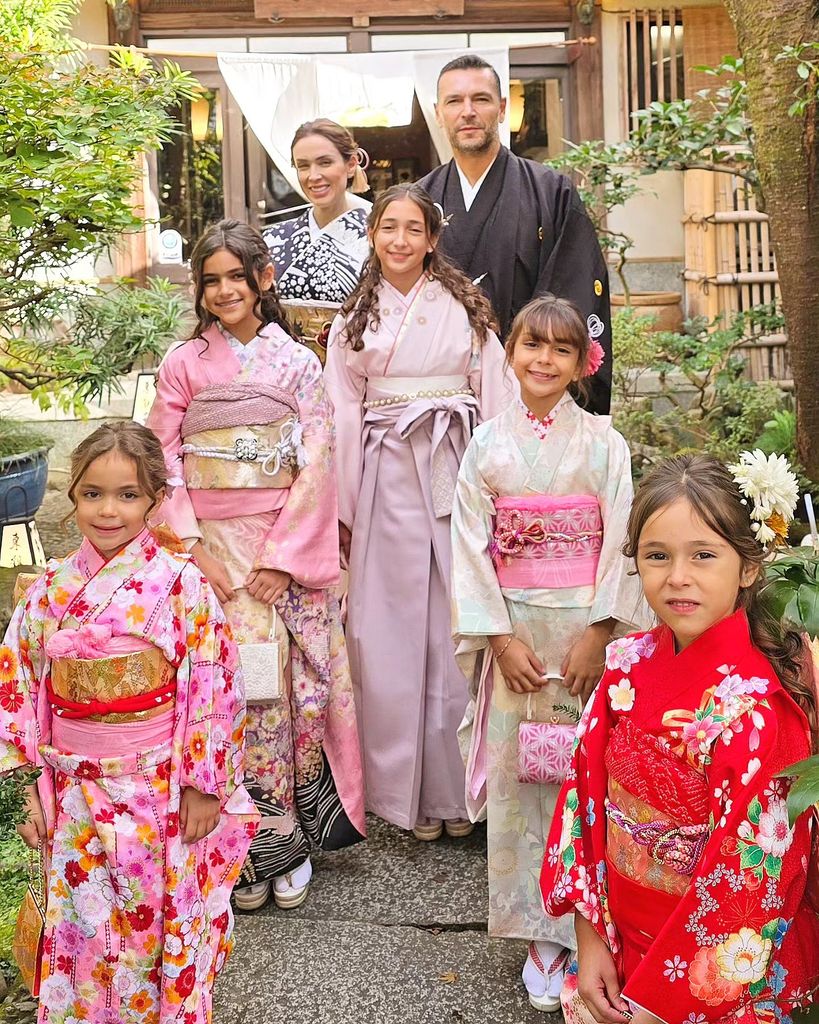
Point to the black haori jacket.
(528, 233)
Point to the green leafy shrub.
(677, 391)
(17, 438)
(72, 139)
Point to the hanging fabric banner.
(278, 92)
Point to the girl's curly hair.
(361, 308)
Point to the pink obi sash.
(543, 542)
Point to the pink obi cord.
(547, 542)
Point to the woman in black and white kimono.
(318, 256)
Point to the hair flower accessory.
(594, 360)
(768, 483)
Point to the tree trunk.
(787, 157)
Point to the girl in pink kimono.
(412, 366)
(119, 679)
(539, 584)
(248, 436)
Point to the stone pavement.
(393, 932)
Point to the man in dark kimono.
(516, 227)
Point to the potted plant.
(23, 470)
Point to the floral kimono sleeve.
(22, 668)
(210, 733)
(304, 539)
(722, 947)
(478, 606)
(617, 595)
(165, 420)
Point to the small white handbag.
(263, 664)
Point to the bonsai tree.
(72, 135)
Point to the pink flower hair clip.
(595, 358)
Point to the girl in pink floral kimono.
(248, 437)
(119, 680)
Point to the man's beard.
(489, 139)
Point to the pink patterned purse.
(545, 748)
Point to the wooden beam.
(317, 9)
(587, 79)
(159, 19)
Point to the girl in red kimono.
(671, 842)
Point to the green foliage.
(111, 331)
(790, 594)
(711, 131)
(17, 438)
(13, 853)
(675, 391)
(805, 57)
(804, 792)
(72, 135)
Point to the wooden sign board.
(276, 9)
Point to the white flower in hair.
(773, 490)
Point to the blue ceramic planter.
(22, 484)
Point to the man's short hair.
(469, 62)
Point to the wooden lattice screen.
(729, 261)
(653, 58)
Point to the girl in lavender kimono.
(247, 432)
(119, 680)
(539, 584)
(412, 365)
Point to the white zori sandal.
(543, 974)
(290, 890)
(252, 897)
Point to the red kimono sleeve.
(731, 941)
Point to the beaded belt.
(675, 846)
(415, 396)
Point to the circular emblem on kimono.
(595, 326)
(598, 286)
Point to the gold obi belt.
(311, 322)
(126, 688)
(247, 456)
(242, 434)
